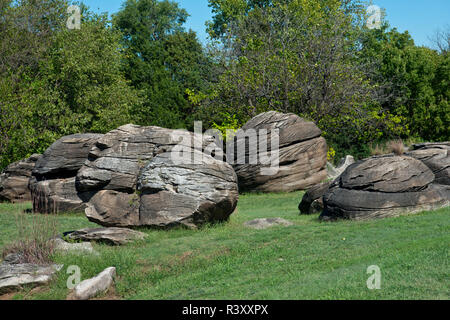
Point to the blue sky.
(420, 17)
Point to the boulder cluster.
(136, 176)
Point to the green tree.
(162, 59)
(77, 85)
(298, 56)
(414, 80)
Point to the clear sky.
(420, 17)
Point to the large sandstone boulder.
(137, 182)
(302, 154)
(15, 179)
(384, 186)
(437, 157)
(53, 182)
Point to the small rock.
(13, 258)
(260, 224)
(14, 276)
(89, 288)
(113, 236)
(77, 248)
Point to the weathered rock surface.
(387, 174)
(53, 182)
(15, 179)
(312, 201)
(90, 288)
(435, 156)
(14, 276)
(384, 186)
(113, 236)
(261, 224)
(138, 182)
(302, 154)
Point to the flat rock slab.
(261, 224)
(113, 236)
(76, 248)
(90, 288)
(14, 276)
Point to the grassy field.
(309, 260)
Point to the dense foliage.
(313, 58)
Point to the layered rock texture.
(435, 156)
(15, 179)
(302, 154)
(150, 176)
(312, 201)
(111, 236)
(384, 186)
(53, 182)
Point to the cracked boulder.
(15, 179)
(53, 179)
(15, 276)
(156, 177)
(435, 156)
(302, 158)
(384, 186)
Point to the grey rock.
(90, 288)
(14, 276)
(113, 236)
(302, 155)
(13, 258)
(58, 196)
(52, 185)
(15, 178)
(261, 224)
(387, 174)
(435, 156)
(76, 248)
(365, 205)
(312, 201)
(137, 183)
(385, 186)
(65, 157)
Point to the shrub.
(397, 147)
(34, 244)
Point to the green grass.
(309, 260)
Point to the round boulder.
(302, 154)
(139, 180)
(384, 186)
